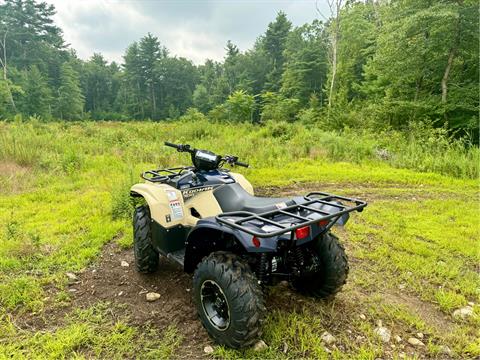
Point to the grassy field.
(414, 252)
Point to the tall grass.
(63, 146)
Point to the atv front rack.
(246, 221)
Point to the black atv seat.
(232, 197)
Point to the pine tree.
(70, 101)
(274, 44)
(37, 97)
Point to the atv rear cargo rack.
(247, 217)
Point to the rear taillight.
(302, 233)
(256, 242)
(323, 223)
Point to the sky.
(197, 30)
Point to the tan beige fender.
(244, 183)
(168, 207)
(165, 203)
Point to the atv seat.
(232, 197)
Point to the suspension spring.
(262, 269)
(299, 259)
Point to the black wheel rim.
(215, 305)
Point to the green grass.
(64, 195)
(89, 333)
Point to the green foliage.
(276, 107)
(396, 62)
(69, 105)
(201, 99)
(37, 96)
(305, 63)
(240, 106)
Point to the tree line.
(367, 64)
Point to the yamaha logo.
(187, 194)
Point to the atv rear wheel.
(229, 300)
(330, 264)
(146, 257)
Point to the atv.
(207, 219)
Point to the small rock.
(152, 296)
(398, 339)
(123, 263)
(208, 349)
(463, 313)
(444, 349)
(94, 271)
(363, 317)
(383, 333)
(327, 338)
(420, 335)
(260, 346)
(71, 276)
(72, 290)
(415, 342)
(188, 290)
(120, 293)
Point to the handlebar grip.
(239, 163)
(172, 145)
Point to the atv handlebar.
(229, 159)
(239, 163)
(180, 147)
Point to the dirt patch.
(124, 286)
(367, 192)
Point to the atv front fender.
(209, 236)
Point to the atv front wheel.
(329, 262)
(229, 300)
(146, 257)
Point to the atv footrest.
(177, 256)
(316, 207)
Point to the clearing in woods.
(413, 253)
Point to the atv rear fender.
(208, 236)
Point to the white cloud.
(193, 29)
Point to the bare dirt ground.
(107, 280)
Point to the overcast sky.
(197, 30)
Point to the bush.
(276, 107)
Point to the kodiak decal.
(187, 194)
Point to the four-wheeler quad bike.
(207, 219)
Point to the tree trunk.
(334, 8)
(4, 64)
(334, 70)
(451, 56)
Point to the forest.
(369, 64)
